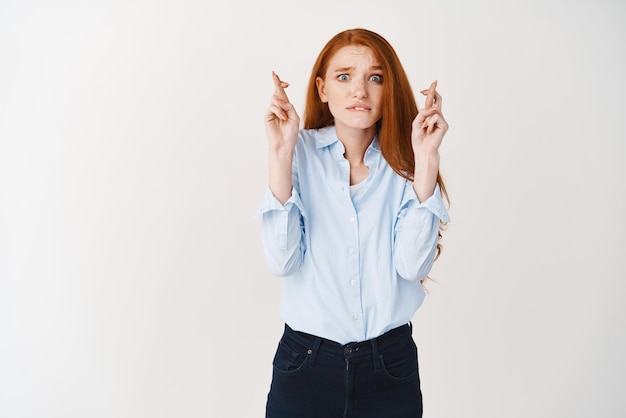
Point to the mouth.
(359, 107)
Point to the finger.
(279, 87)
(279, 108)
(425, 113)
(430, 95)
(277, 101)
(276, 112)
(283, 104)
(434, 122)
(438, 100)
(422, 115)
(286, 108)
(429, 123)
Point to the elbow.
(412, 274)
(282, 267)
(281, 270)
(416, 268)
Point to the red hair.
(398, 104)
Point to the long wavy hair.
(399, 107)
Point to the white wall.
(132, 160)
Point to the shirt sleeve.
(416, 233)
(282, 232)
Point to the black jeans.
(318, 378)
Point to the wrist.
(427, 160)
(281, 153)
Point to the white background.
(132, 161)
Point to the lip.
(359, 107)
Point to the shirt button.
(352, 250)
(351, 218)
(354, 282)
(356, 317)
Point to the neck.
(355, 142)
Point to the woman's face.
(353, 88)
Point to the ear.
(321, 89)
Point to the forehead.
(353, 56)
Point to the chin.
(357, 124)
(365, 125)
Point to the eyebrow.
(344, 69)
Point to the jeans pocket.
(289, 360)
(400, 363)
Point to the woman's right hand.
(281, 120)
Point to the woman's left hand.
(429, 126)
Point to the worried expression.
(353, 88)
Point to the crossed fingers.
(432, 109)
(433, 98)
(279, 87)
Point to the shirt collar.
(327, 136)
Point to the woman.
(351, 219)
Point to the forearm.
(425, 176)
(416, 247)
(280, 177)
(282, 240)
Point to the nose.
(359, 88)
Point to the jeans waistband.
(351, 351)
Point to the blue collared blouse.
(351, 257)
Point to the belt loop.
(314, 350)
(375, 355)
(411, 327)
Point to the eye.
(343, 77)
(376, 78)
